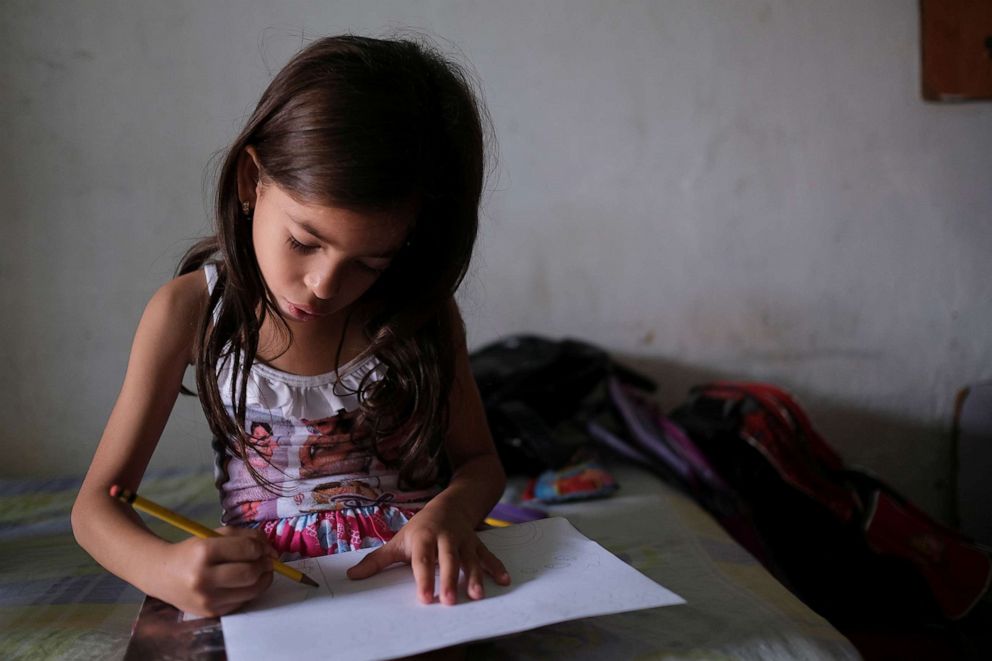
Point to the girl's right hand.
(216, 575)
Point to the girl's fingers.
(266, 543)
(493, 566)
(253, 533)
(241, 574)
(232, 531)
(235, 548)
(423, 561)
(450, 562)
(249, 533)
(430, 555)
(473, 573)
(228, 600)
(374, 563)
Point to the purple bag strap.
(611, 441)
(683, 445)
(645, 434)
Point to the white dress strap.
(210, 271)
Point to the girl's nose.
(322, 282)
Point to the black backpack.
(539, 394)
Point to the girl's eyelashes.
(307, 249)
(378, 270)
(300, 247)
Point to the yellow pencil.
(194, 528)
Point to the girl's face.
(318, 260)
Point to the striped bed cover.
(57, 603)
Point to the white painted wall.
(734, 188)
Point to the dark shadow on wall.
(912, 457)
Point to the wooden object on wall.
(956, 42)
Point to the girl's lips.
(302, 313)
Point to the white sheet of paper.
(557, 573)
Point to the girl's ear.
(249, 173)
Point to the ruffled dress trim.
(296, 397)
(327, 533)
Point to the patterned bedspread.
(57, 603)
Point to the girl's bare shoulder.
(176, 309)
(185, 295)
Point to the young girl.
(330, 356)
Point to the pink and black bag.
(844, 541)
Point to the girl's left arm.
(478, 479)
(443, 532)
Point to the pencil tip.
(309, 581)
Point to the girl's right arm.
(203, 576)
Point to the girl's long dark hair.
(363, 124)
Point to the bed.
(57, 603)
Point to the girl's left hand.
(436, 536)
